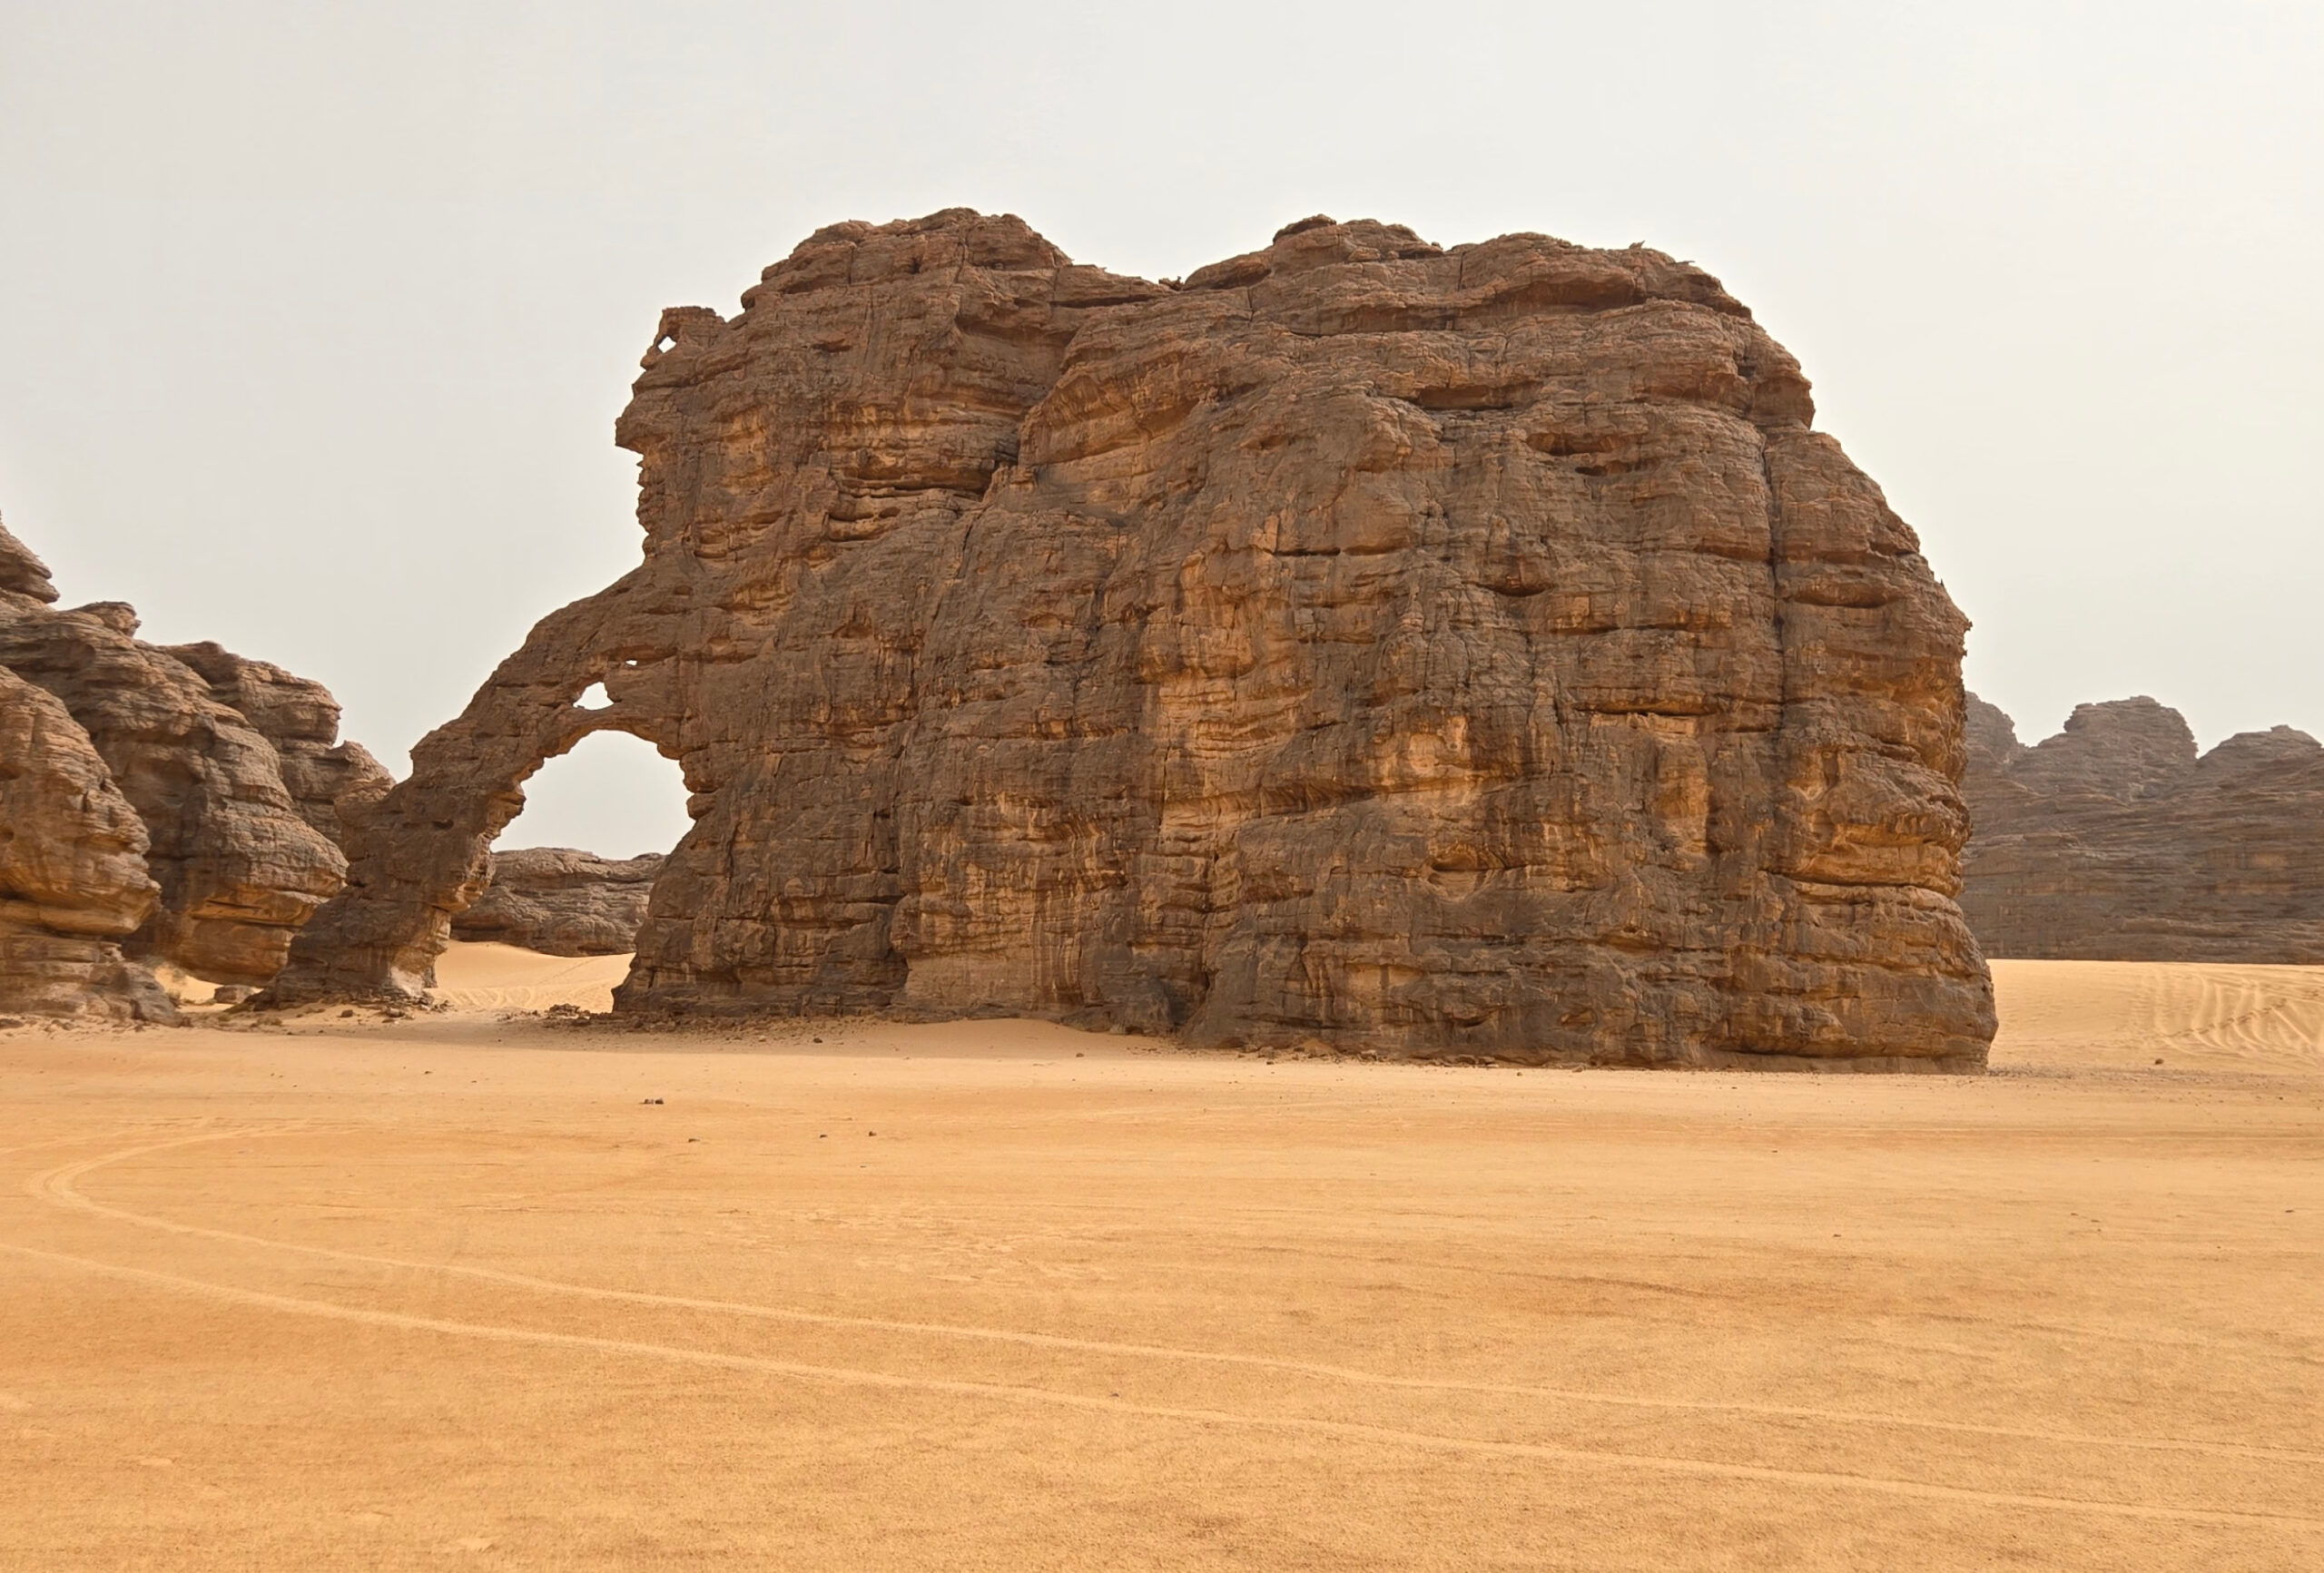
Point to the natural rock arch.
(1432, 652)
(423, 854)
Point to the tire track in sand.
(56, 1187)
(1345, 1431)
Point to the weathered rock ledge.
(1424, 652)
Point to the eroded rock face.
(237, 866)
(21, 573)
(2115, 840)
(562, 901)
(330, 782)
(73, 880)
(1419, 652)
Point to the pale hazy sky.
(317, 316)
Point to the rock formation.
(562, 902)
(2113, 841)
(236, 864)
(73, 880)
(330, 781)
(1466, 653)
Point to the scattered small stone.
(649, 1100)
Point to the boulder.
(562, 901)
(1468, 653)
(2116, 841)
(73, 879)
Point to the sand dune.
(489, 976)
(467, 1290)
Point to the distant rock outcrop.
(2116, 841)
(236, 859)
(1364, 644)
(562, 902)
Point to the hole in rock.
(594, 697)
(664, 343)
(611, 794)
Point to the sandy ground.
(458, 1290)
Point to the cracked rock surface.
(1362, 644)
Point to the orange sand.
(449, 1293)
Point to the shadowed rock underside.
(1429, 652)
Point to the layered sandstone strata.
(73, 879)
(2115, 840)
(330, 782)
(562, 901)
(237, 865)
(1424, 652)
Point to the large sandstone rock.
(238, 867)
(73, 880)
(1422, 652)
(2115, 840)
(562, 901)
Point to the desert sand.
(469, 1290)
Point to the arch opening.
(572, 877)
(612, 793)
